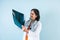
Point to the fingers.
(23, 27)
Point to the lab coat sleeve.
(38, 28)
(26, 23)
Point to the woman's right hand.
(24, 29)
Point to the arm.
(25, 29)
(36, 30)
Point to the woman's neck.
(32, 20)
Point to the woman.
(32, 27)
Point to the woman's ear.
(36, 16)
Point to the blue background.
(49, 11)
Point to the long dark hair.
(36, 11)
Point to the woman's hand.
(25, 29)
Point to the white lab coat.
(34, 35)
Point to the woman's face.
(33, 15)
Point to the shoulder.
(27, 21)
(39, 23)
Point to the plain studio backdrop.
(50, 18)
